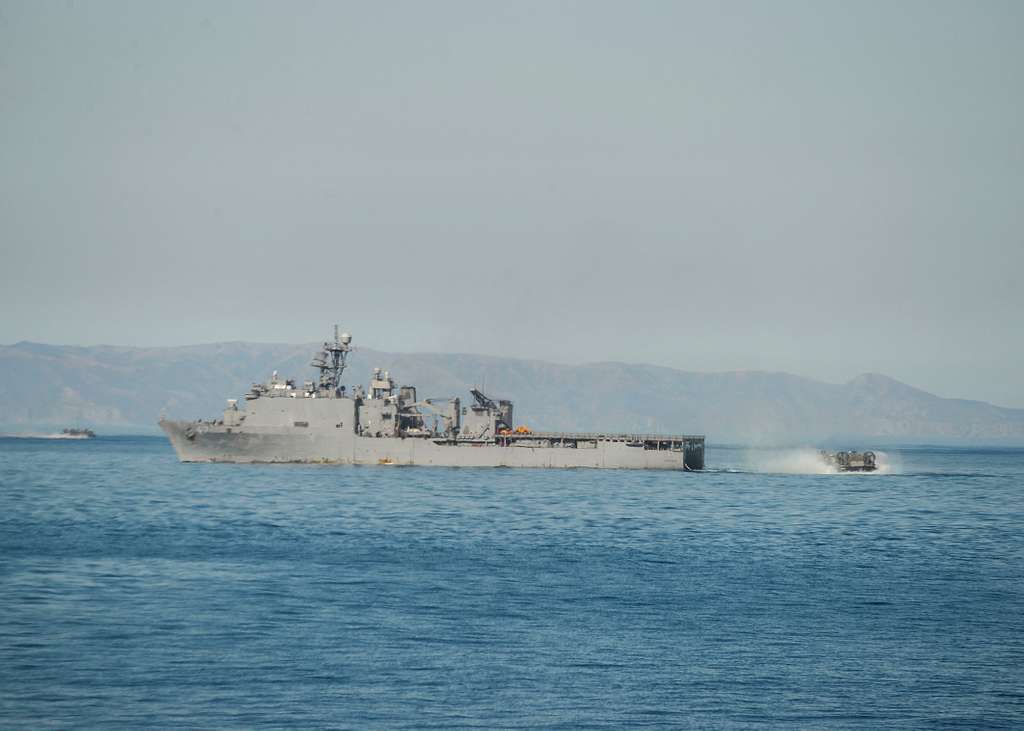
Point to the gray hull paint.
(198, 442)
(320, 422)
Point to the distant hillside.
(120, 388)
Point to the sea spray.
(791, 462)
(807, 461)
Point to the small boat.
(850, 461)
(75, 433)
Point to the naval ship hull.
(386, 424)
(211, 442)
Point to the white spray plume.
(791, 462)
(807, 462)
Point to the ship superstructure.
(321, 421)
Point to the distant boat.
(76, 433)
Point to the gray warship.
(320, 421)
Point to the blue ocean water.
(139, 592)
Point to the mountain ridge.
(125, 387)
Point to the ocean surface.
(138, 592)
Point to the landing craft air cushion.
(850, 461)
(322, 422)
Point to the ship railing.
(607, 436)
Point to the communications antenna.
(330, 361)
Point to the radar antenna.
(330, 361)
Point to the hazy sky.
(819, 188)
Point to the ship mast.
(330, 361)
